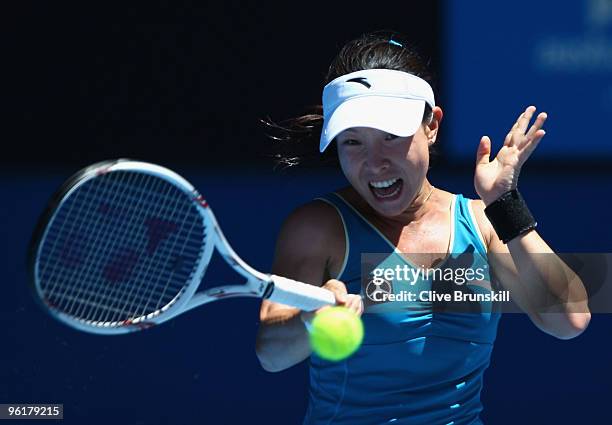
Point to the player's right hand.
(353, 302)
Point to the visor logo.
(360, 80)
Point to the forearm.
(282, 341)
(554, 294)
(535, 275)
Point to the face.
(386, 170)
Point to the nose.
(376, 162)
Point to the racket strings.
(140, 309)
(104, 243)
(73, 243)
(182, 251)
(134, 294)
(83, 285)
(49, 278)
(132, 287)
(81, 288)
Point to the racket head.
(121, 246)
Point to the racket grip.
(300, 295)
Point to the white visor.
(385, 99)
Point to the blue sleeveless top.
(416, 365)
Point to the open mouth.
(387, 190)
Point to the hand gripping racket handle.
(301, 295)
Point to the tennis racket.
(124, 245)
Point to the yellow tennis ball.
(335, 333)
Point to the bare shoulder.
(309, 248)
(310, 243)
(316, 220)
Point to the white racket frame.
(258, 285)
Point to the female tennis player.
(415, 366)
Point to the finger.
(355, 304)
(530, 146)
(340, 298)
(509, 140)
(484, 151)
(339, 290)
(516, 123)
(537, 125)
(523, 121)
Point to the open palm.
(494, 178)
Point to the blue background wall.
(69, 104)
(500, 57)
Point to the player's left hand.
(494, 178)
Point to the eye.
(351, 142)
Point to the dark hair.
(297, 139)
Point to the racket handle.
(298, 294)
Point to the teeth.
(383, 184)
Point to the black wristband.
(510, 216)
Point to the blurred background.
(185, 85)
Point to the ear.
(431, 129)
